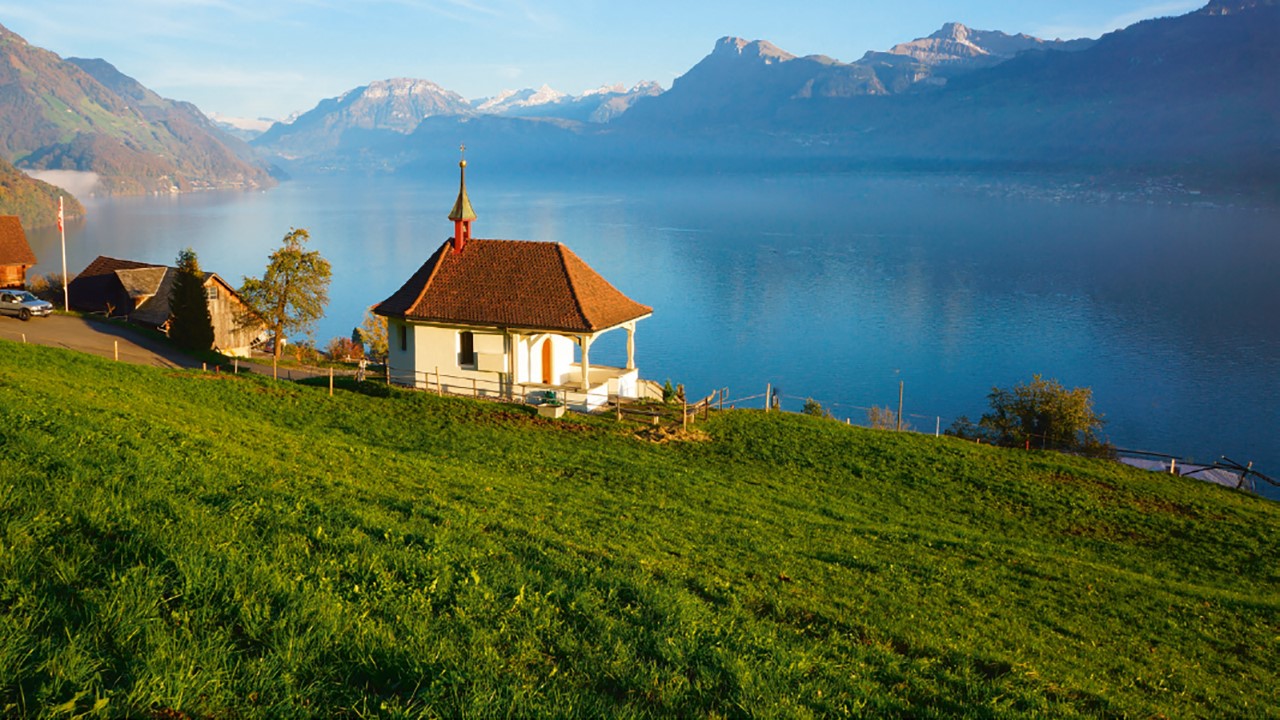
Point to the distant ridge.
(397, 105)
(85, 115)
(34, 202)
(1195, 93)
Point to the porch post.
(585, 342)
(631, 346)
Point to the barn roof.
(14, 249)
(140, 290)
(512, 283)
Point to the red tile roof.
(14, 249)
(512, 283)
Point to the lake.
(830, 286)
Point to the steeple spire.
(462, 214)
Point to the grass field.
(179, 544)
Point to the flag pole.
(66, 298)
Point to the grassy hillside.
(189, 545)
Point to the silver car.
(23, 304)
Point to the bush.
(341, 348)
(966, 429)
(1044, 414)
(306, 352)
(884, 418)
(47, 287)
(814, 408)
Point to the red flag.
(59, 214)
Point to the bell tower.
(462, 214)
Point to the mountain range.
(1194, 93)
(400, 105)
(78, 114)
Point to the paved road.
(98, 338)
(106, 339)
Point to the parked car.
(23, 304)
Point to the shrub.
(1043, 413)
(341, 348)
(884, 418)
(966, 429)
(814, 408)
(306, 352)
(47, 287)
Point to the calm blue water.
(834, 287)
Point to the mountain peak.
(952, 31)
(753, 49)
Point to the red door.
(546, 361)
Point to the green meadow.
(178, 544)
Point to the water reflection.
(835, 287)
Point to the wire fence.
(652, 404)
(874, 416)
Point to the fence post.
(387, 368)
(475, 392)
(768, 396)
(439, 385)
(204, 367)
(619, 408)
(330, 382)
(235, 366)
(900, 384)
(275, 369)
(24, 338)
(937, 429)
(116, 344)
(684, 415)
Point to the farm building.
(140, 292)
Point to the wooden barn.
(15, 254)
(140, 292)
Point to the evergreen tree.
(190, 326)
(294, 290)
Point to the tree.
(343, 348)
(814, 408)
(190, 326)
(373, 334)
(1044, 413)
(293, 292)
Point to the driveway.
(99, 338)
(106, 339)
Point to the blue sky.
(252, 58)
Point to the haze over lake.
(831, 286)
